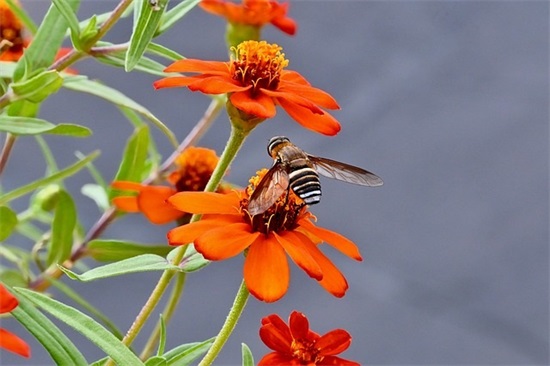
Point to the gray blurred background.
(446, 101)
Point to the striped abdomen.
(304, 181)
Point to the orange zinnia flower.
(227, 229)
(194, 168)
(256, 82)
(252, 12)
(8, 340)
(12, 41)
(296, 344)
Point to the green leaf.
(132, 166)
(23, 108)
(193, 260)
(64, 7)
(144, 64)
(115, 250)
(57, 344)
(8, 220)
(69, 129)
(248, 358)
(39, 87)
(35, 126)
(86, 326)
(149, 18)
(156, 361)
(7, 69)
(63, 225)
(163, 51)
(140, 263)
(97, 193)
(51, 164)
(77, 298)
(184, 354)
(176, 13)
(89, 30)
(62, 174)
(47, 41)
(162, 336)
(114, 96)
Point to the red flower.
(252, 12)
(256, 82)
(296, 344)
(194, 168)
(10, 341)
(227, 229)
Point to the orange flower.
(12, 41)
(227, 229)
(194, 168)
(296, 344)
(10, 341)
(252, 12)
(256, 82)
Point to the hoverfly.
(295, 169)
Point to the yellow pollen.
(195, 166)
(258, 64)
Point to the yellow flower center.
(282, 215)
(195, 166)
(10, 29)
(258, 64)
(306, 352)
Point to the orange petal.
(206, 202)
(333, 239)
(293, 77)
(8, 302)
(174, 82)
(333, 280)
(199, 66)
(266, 271)
(295, 98)
(294, 247)
(126, 203)
(333, 343)
(277, 359)
(152, 202)
(260, 105)
(276, 334)
(322, 123)
(124, 185)
(14, 344)
(338, 361)
(226, 241)
(217, 85)
(285, 24)
(315, 95)
(186, 234)
(299, 325)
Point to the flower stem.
(232, 147)
(5, 154)
(227, 328)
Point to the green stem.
(167, 313)
(236, 139)
(228, 326)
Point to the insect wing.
(270, 188)
(344, 172)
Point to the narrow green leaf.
(97, 193)
(23, 108)
(162, 336)
(57, 344)
(64, 7)
(115, 250)
(184, 354)
(39, 87)
(46, 42)
(193, 260)
(7, 69)
(26, 189)
(140, 263)
(147, 23)
(69, 129)
(22, 15)
(156, 361)
(63, 225)
(114, 96)
(133, 159)
(86, 326)
(145, 64)
(89, 30)
(176, 13)
(8, 220)
(248, 358)
(51, 164)
(163, 51)
(77, 298)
